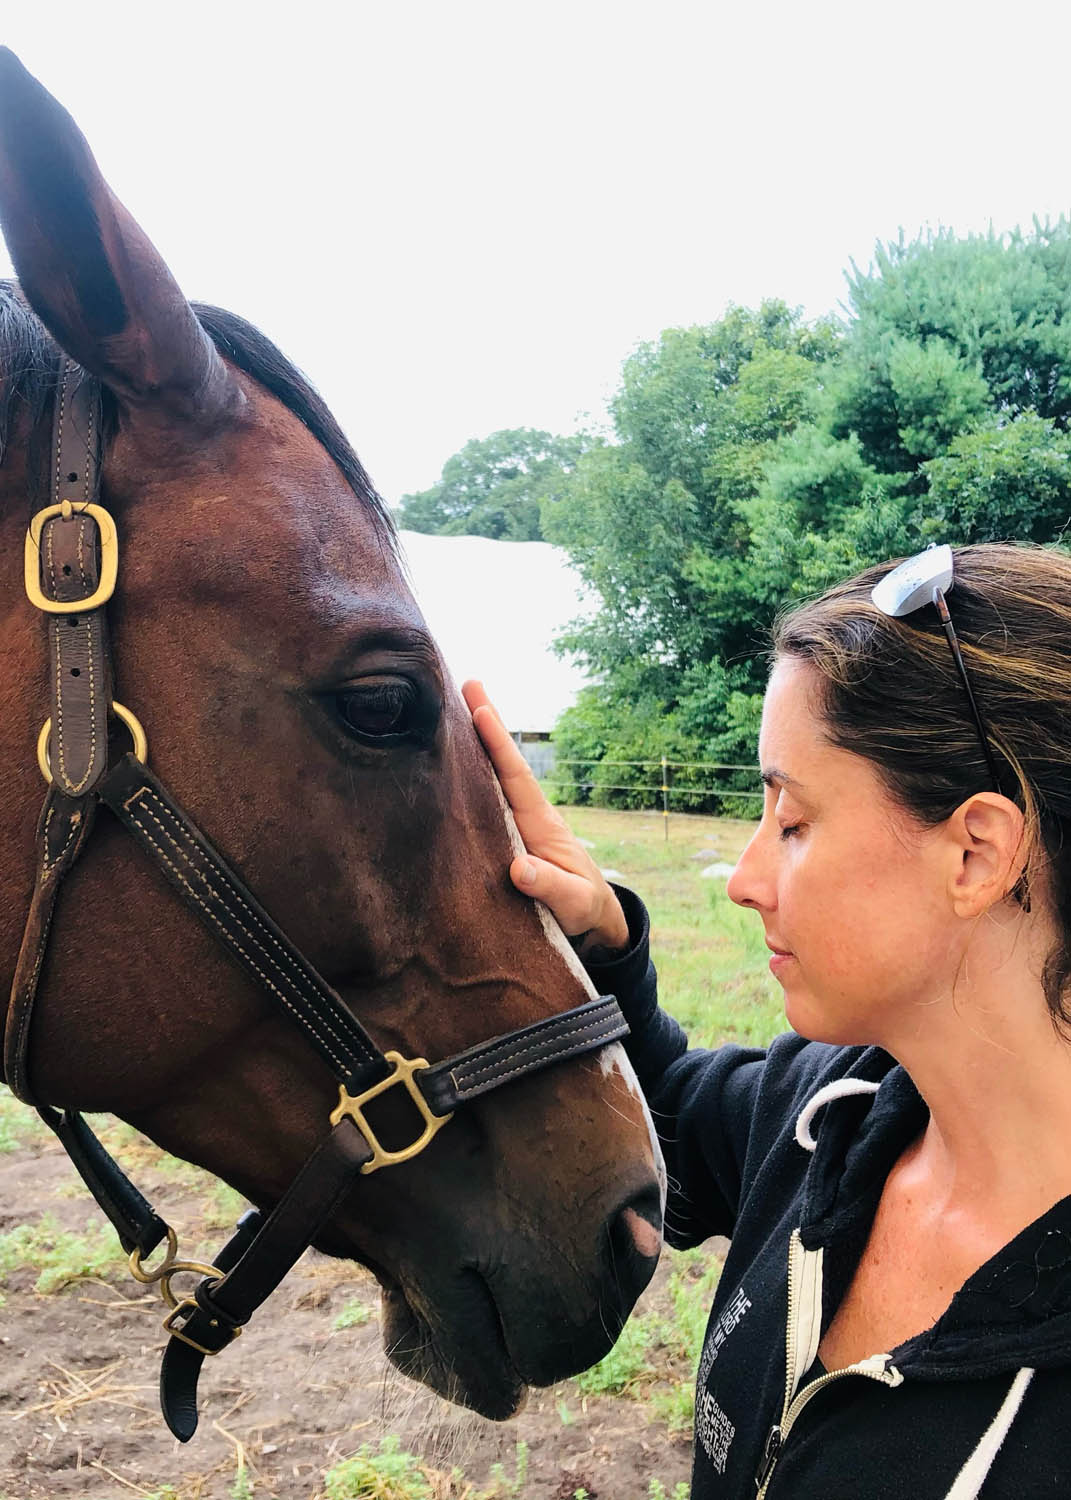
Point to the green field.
(710, 954)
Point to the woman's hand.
(556, 869)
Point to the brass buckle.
(133, 723)
(109, 560)
(404, 1069)
(186, 1309)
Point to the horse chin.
(467, 1363)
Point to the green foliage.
(354, 1315)
(692, 1284)
(59, 1256)
(388, 1473)
(495, 486)
(504, 1486)
(1009, 480)
(624, 1366)
(656, 1490)
(242, 1488)
(758, 460)
(17, 1123)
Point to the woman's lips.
(781, 957)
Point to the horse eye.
(378, 710)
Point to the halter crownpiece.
(71, 569)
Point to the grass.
(57, 1255)
(390, 1473)
(19, 1124)
(385, 1473)
(354, 1315)
(711, 956)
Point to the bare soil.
(293, 1396)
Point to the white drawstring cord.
(840, 1088)
(972, 1476)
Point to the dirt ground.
(293, 1396)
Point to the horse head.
(264, 633)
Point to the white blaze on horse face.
(615, 1059)
(555, 936)
(612, 1058)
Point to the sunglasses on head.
(921, 580)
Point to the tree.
(945, 332)
(656, 523)
(494, 486)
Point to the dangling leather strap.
(254, 1261)
(132, 1216)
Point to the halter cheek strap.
(71, 569)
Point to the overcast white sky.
(458, 216)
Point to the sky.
(459, 217)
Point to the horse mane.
(29, 359)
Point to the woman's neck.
(996, 1076)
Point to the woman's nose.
(744, 885)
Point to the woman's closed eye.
(789, 830)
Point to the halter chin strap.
(71, 569)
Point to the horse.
(268, 649)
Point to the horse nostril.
(646, 1238)
(635, 1239)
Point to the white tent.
(495, 608)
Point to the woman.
(894, 1315)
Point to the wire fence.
(660, 794)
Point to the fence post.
(665, 797)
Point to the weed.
(503, 1488)
(565, 1412)
(17, 1123)
(675, 1406)
(387, 1474)
(225, 1206)
(623, 1367)
(691, 1289)
(354, 1315)
(656, 1490)
(242, 1488)
(57, 1255)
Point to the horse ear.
(89, 272)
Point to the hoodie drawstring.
(972, 1476)
(840, 1088)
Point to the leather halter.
(71, 571)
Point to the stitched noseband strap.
(71, 569)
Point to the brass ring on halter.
(137, 1261)
(137, 734)
(178, 1266)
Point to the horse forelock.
(29, 360)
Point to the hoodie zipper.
(804, 1319)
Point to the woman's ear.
(987, 833)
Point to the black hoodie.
(786, 1152)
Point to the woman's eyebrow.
(774, 777)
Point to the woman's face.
(852, 890)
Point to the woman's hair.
(890, 692)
